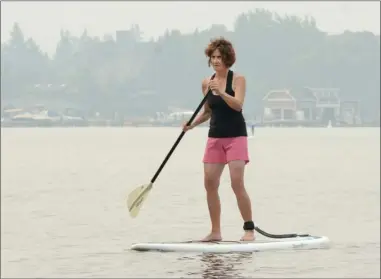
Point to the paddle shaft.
(179, 139)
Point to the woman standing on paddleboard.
(227, 137)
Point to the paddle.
(136, 198)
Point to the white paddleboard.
(307, 242)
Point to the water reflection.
(222, 265)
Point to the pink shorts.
(224, 150)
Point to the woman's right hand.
(186, 127)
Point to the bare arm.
(206, 113)
(236, 102)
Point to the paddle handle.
(179, 139)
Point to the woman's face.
(216, 60)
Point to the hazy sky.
(43, 20)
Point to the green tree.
(136, 77)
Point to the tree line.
(136, 77)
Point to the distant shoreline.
(177, 125)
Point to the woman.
(227, 138)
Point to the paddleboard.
(307, 242)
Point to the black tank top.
(225, 122)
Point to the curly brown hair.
(226, 49)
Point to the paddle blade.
(136, 198)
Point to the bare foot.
(248, 236)
(212, 237)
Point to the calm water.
(63, 211)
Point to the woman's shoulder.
(207, 78)
(205, 82)
(238, 75)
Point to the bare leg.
(237, 169)
(212, 174)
